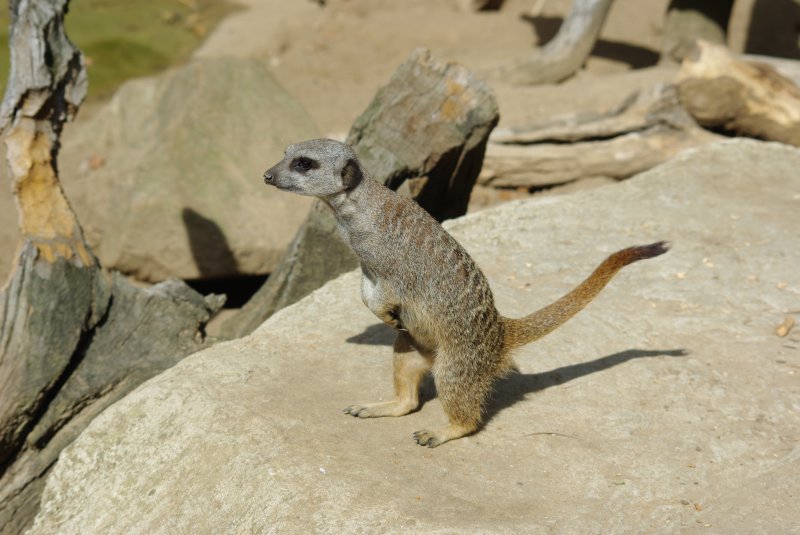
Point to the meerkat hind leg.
(463, 394)
(410, 368)
(431, 439)
(462, 422)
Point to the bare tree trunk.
(73, 339)
(566, 53)
(46, 86)
(690, 20)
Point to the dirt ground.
(334, 57)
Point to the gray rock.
(423, 135)
(667, 405)
(166, 179)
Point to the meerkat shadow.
(514, 387)
(378, 334)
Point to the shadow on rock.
(513, 388)
(378, 334)
(637, 57)
(209, 246)
(773, 29)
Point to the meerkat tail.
(519, 332)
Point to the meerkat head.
(319, 167)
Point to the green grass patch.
(124, 39)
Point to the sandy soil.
(334, 57)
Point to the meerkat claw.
(426, 438)
(359, 411)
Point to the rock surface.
(667, 405)
(166, 178)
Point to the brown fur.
(525, 330)
(419, 280)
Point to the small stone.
(785, 327)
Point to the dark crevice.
(548, 187)
(74, 410)
(238, 290)
(722, 131)
(48, 51)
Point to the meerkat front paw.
(395, 324)
(392, 319)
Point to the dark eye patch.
(304, 164)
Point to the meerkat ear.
(351, 174)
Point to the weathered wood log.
(561, 57)
(789, 68)
(645, 130)
(747, 98)
(423, 135)
(72, 338)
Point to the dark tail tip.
(642, 252)
(654, 249)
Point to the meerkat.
(419, 280)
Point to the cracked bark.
(73, 338)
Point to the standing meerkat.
(418, 279)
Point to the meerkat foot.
(379, 410)
(431, 439)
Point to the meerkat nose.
(268, 177)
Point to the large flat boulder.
(166, 178)
(669, 404)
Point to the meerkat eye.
(303, 164)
